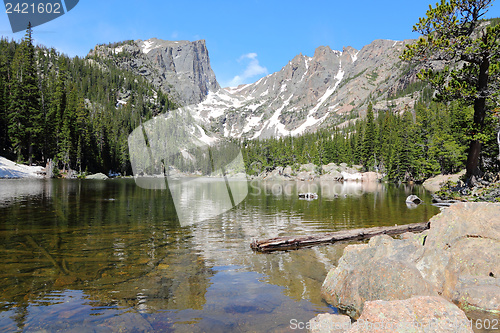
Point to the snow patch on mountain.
(147, 46)
(204, 137)
(252, 122)
(307, 93)
(355, 56)
(311, 120)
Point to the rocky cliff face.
(180, 68)
(329, 88)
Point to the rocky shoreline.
(447, 276)
(329, 172)
(304, 172)
(451, 188)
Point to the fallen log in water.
(292, 243)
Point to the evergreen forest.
(68, 111)
(65, 110)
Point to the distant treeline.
(65, 109)
(431, 139)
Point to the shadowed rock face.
(458, 258)
(180, 68)
(184, 68)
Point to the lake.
(101, 256)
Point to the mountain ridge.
(310, 92)
(329, 88)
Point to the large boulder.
(306, 175)
(310, 167)
(416, 314)
(458, 258)
(383, 269)
(332, 167)
(288, 171)
(332, 176)
(462, 256)
(434, 184)
(277, 174)
(371, 176)
(98, 176)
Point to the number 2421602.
(27, 8)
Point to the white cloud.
(253, 69)
(174, 35)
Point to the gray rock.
(458, 258)
(308, 167)
(329, 168)
(99, 176)
(306, 175)
(180, 68)
(288, 171)
(332, 176)
(329, 323)
(390, 275)
(413, 199)
(462, 255)
(417, 314)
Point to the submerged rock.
(308, 196)
(458, 258)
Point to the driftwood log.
(293, 243)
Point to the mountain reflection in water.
(110, 256)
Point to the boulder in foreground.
(458, 258)
(417, 314)
(383, 269)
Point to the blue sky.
(246, 39)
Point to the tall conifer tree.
(25, 123)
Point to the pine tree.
(454, 33)
(4, 82)
(25, 118)
(368, 143)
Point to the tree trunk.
(479, 115)
(473, 159)
(293, 243)
(498, 140)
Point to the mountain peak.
(309, 92)
(180, 68)
(324, 50)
